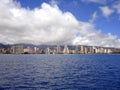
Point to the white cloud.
(53, 2)
(93, 18)
(90, 36)
(117, 7)
(47, 25)
(96, 1)
(106, 11)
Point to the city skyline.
(56, 49)
(75, 22)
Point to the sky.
(76, 22)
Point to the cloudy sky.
(84, 22)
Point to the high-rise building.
(76, 49)
(90, 51)
(85, 50)
(36, 50)
(82, 49)
(58, 49)
(28, 50)
(17, 49)
(109, 51)
(2, 51)
(101, 50)
(66, 50)
(105, 50)
(94, 49)
(48, 50)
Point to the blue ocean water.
(60, 72)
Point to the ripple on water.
(56, 72)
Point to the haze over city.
(76, 22)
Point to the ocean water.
(60, 72)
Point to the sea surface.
(60, 72)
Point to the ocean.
(60, 72)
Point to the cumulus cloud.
(42, 25)
(47, 25)
(106, 11)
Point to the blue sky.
(83, 22)
(83, 11)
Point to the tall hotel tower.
(58, 49)
(82, 49)
(66, 50)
